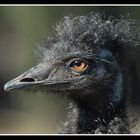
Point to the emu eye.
(78, 65)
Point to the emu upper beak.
(28, 79)
(37, 77)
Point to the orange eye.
(78, 65)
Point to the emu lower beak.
(28, 79)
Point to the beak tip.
(9, 86)
(6, 87)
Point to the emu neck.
(90, 115)
(89, 121)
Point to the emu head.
(84, 59)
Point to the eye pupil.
(77, 63)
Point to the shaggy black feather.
(91, 32)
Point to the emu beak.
(28, 79)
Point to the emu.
(87, 59)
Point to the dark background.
(22, 28)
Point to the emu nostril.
(27, 80)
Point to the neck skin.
(92, 116)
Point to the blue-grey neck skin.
(111, 116)
(118, 89)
